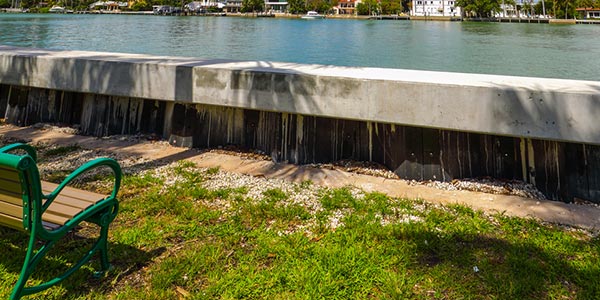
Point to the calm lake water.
(541, 50)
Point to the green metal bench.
(49, 211)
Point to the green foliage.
(4, 3)
(141, 6)
(391, 7)
(253, 6)
(297, 6)
(321, 6)
(480, 8)
(367, 7)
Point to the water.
(540, 50)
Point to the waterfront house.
(589, 12)
(347, 7)
(276, 6)
(203, 6)
(162, 9)
(108, 5)
(233, 6)
(441, 8)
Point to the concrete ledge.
(549, 109)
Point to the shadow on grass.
(527, 268)
(125, 260)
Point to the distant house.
(276, 5)
(233, 6)
(442, 8)
(108, 5)
(347, 7)
(203, 6)
(162, 9)
(589, 12)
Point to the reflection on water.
(497, 48)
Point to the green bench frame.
(19, 178)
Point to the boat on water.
(312, 15)
(57, 9)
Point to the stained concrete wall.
(549, 109)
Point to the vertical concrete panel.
(269, 134)
(71, 107)
(325, 139)
(17, 106)
(474, 155)
(592, 154)
(307, 145)
(408, 149)
(168, 119)
(377, 140)
(549, 161)
(117, 115)
(487, 157)
(432, 169)
(94, 115)
(450, 152)
(33, 107)
(459, 159)
(53, 105)
(506, 158)
(289, 149)
(299, 155)
(393, 145)
(576, 173)
(178, 120)
(153, 117)
(4, 92)
(132, 124)
(352, 140)
(251, 118)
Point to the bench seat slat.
(55, 219)
(68, 203)
(11, 210)
(61, 210)
(11, 198)
(9, 174)
(7, 186)
(12, 222)
(73, 193)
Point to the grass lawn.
(180, 236)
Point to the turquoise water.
(541, 50)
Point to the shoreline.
(399, 17)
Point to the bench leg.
(31, 261)
(103, 249)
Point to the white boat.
(57, 9)
(312, 15)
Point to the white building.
(439, 8)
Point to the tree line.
(365, 7)
(561, 9)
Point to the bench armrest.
(111, 163)
(20, 146)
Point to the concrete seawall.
(423, 125)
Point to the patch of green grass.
(274, 195)
(213, 170)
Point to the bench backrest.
(20, 191)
